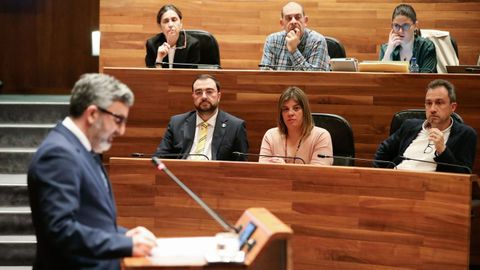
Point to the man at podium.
(73, 208)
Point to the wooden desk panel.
(366, 100)
(342, 217)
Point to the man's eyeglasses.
(429, 148)
(406, 26)
(119, 119)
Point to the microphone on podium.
(260, 155)
(359, 159)
(216, 216)
(169, 155)
(189, 65)
(439, 163)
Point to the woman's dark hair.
(166, 8)
(407, 11)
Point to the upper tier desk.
(367, 100)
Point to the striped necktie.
(202, 139)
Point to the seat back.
(445, 48)
(335, 48)
(399, 117)
(342, 136)
(209, 50)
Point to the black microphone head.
(137, 154)
(323, 156)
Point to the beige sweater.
(318, 142)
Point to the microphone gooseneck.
(439, 163)
(260, 155)
(187, 65)
(359, 159)
(216, 216)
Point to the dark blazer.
(423, 51)
(73, 212)
(191, 54)
(460, 147)
(229, 135)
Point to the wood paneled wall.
(45, 44)
(242, 26)
(367, 100)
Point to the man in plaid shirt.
(296, 47)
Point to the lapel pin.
(224, 125)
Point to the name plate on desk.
(383, 66)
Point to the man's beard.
(100, 143)
(210, 108)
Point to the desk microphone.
(168, 155)
(439, 163)
(260, 155)
(274, 67)
(216, 216)
(472, 69)
(360, 159)
(189, 65)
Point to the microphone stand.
(438, 163)
(168, 155)
(359, 159)
(260, 155)
(226, 226)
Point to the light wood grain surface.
(367, 100)
(242, 26)
(342, 217)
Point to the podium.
(267, 247)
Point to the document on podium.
(191, 251)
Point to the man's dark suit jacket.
(190, 54)
(229, 135)
(73, 213)
(460, 147)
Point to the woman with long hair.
(172, 45)
(295, 138)
(405, 42)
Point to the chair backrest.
(335, 48)
(399, 117)
(342, 136)
(209, 50)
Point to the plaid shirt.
(311, 53)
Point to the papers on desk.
(383, 66)
(189, 251)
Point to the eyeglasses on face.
(208, 92)
(119, 119)
(429, 148)
(406, 26)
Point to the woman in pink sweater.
(295, 138)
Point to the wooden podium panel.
(367, 100)
(269, 248)
(342, 217)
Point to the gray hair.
(98, 89)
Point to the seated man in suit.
(296, 47)
(207, 131)
(73, 208)
(437, 139)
